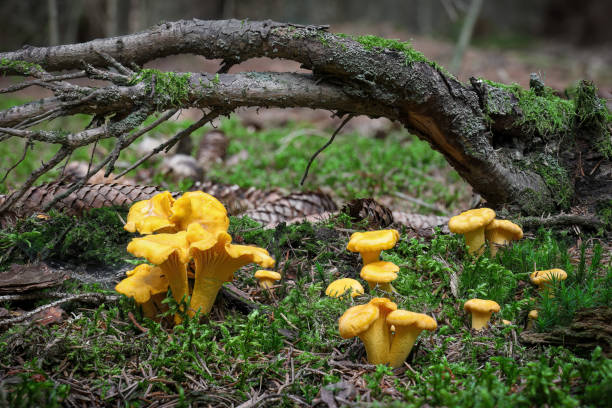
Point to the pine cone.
(378, 215)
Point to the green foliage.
(362, 168)
(31, 391)
(96, 238)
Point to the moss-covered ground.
(288, 348)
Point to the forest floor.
(281, 347)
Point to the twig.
(25, 152)
(331, 139)
(91, 296)
(25, 84)
(171, 142)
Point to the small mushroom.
(148, 286)
(267, 278)
(531, 318)
(151, 216)
(408, 326)
(481, 311)
(370, 243)
(500, 232)
(359, 321)
(340, 286)
(215, 260)
(380, 273)
(471, 224)
(385, 306)
(169, 252)
(543, 279)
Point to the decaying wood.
(590, 328)
(493, 151)
(25, 278)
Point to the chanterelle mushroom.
(471, 224)
(359, 321)
(370, 243)
(380, 273)
(169, 252)
(267, 278)
(147, 285)
(216, 260)
(150, 216)
(481, 311)
(544, 278)
(500, 233)
(408, 326)
(340, 286)
(200, 207)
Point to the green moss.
(21, 67)
(547, 114)
(593, 114)
(372, 42)
(170, 88)
(556, 178)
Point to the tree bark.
(481, 129)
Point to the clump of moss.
(546, 114)
(556, 178)
(593, 114)
(372, 42)
(171, 88)
(20, 67)
(96, 237)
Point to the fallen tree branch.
(92, 297)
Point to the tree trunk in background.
(465, 35)
(53, 24)
(136, 16)
(112, 18)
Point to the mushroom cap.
(200, 207)
(340, 286)
(265, 274)
(481, 306)
(508, 227)
(379, 272)
(158, 248)
(149, 216)
(143, 282)
(251, 253)
(533, 314)
(357, 319)
(373, 240)
(385, 305)
(540, 277)
(405, 318)
(470, 220)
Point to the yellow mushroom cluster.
(479, 225)
(373, 323)
(181, 235)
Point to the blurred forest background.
(566, 40)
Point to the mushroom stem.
(376, 342)
(266, 283)
(497, 239)
(402, 343)
(475, 241)
(370, 256)
(204, 294)
(385, 286)
(480, 319)
(176, 272)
